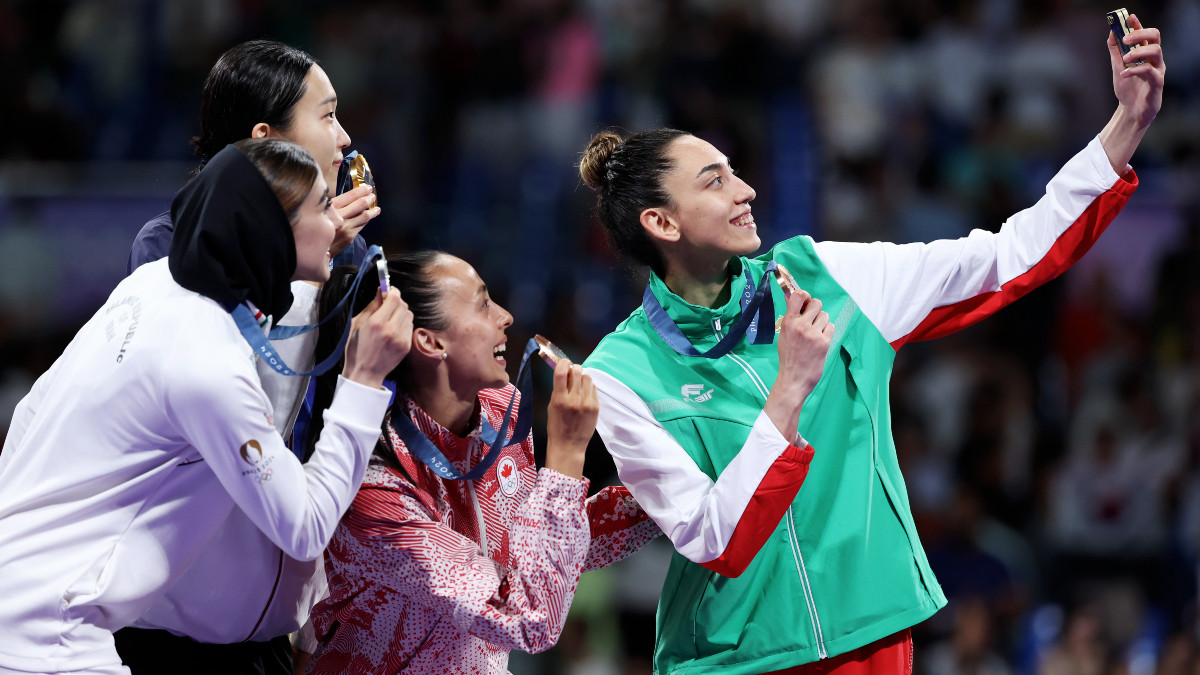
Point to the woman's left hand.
(1139, 92)
(1139, 86)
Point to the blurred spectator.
(1081, 648)
(970, 649)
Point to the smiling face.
(710, 206)
(315, 126)
(474, 340)
(313, 227)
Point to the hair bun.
(592, 166)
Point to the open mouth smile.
(744, 220)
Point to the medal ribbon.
(420, 445)
(758, 309)
(243, 316)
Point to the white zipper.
(805, 585)
(483, 540)
(762, 387)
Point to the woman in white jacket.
(129, 453)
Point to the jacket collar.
(696, 321)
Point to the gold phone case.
(1118, 22)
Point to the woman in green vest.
(755, 428)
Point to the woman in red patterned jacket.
(430, 574)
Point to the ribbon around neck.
(244, 318)
(758, 309)
(424, 449)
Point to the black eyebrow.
(328, 99)
(482, 290)
(711, 167)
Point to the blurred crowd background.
(1052, 453)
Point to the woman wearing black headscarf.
(256, 89)
(93, 528)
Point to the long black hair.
(409, 273)
(256, 81)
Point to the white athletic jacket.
(128, 456)
(273, 593)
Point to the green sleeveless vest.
(845, 566)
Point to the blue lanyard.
(252, 332)
(419, 445)
(758, 309)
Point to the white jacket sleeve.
(224, 414)
(27, 408)
(922, 291)
(720, 524)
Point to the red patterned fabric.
(439, 576)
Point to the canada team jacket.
(428, 575)
(791, 553)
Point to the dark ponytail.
(409, 273)
(627, 176)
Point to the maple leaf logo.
(506, 475)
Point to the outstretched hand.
(1138, 89)
(1139, 86)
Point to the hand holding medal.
(356, 202)
(574, 409)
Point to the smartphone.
(1118, 22)
(549, 351)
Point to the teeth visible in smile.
(743, 220)
(498, 351)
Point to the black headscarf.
(232, 240)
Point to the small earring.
(444, 355)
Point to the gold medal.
(360, 174)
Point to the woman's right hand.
(574, 408)
(804, 337)
(380, 337)
(357, 208)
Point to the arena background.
(1052, 453)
